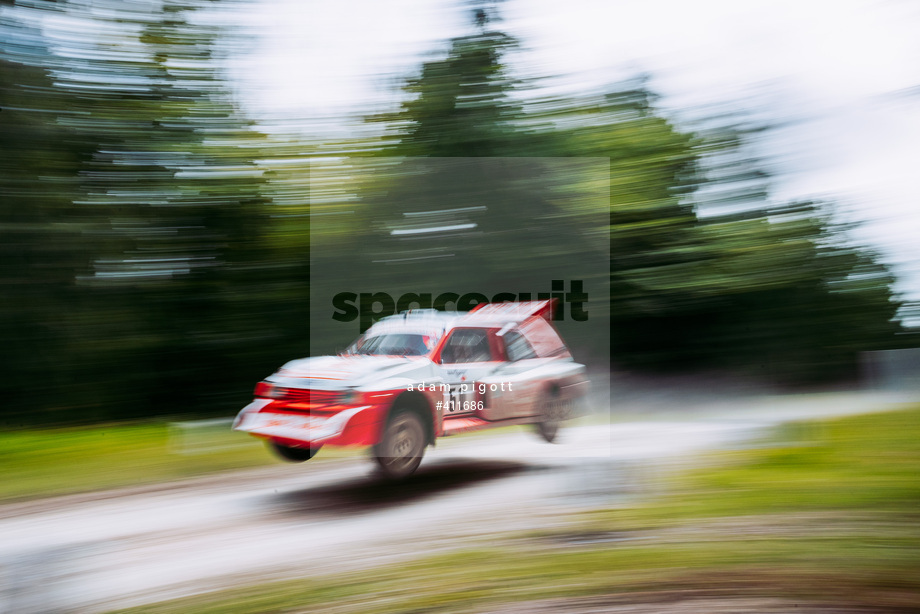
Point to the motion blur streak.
(163, 247)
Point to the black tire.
(553, 410)
(293, 455)
(400, 451)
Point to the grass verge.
(47, 462)
(44, 462)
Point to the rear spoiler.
(514, 312)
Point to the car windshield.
(393, 344)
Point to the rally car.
(421, 375)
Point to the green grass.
(857, 463)
(827, 511)
(44, 462)
(47, 462)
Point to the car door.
(466, 357)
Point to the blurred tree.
(137, 141)
(180, 208)
(797, 299)
(460, 106)
(142, 262)
(41, 242)
(457, 199)
(778, 290)
(749, 283)
(649, 215)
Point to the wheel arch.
(417, 403)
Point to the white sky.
(843, 74)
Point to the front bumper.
(268, 419)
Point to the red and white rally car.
(417, 376)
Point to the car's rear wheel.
(400, 451)
(293, 455)
(552, 411)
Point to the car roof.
(484, 315)
(416, 320)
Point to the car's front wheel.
(293, 455)
(400, 451)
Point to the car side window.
(467, 345)
(517, 347)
